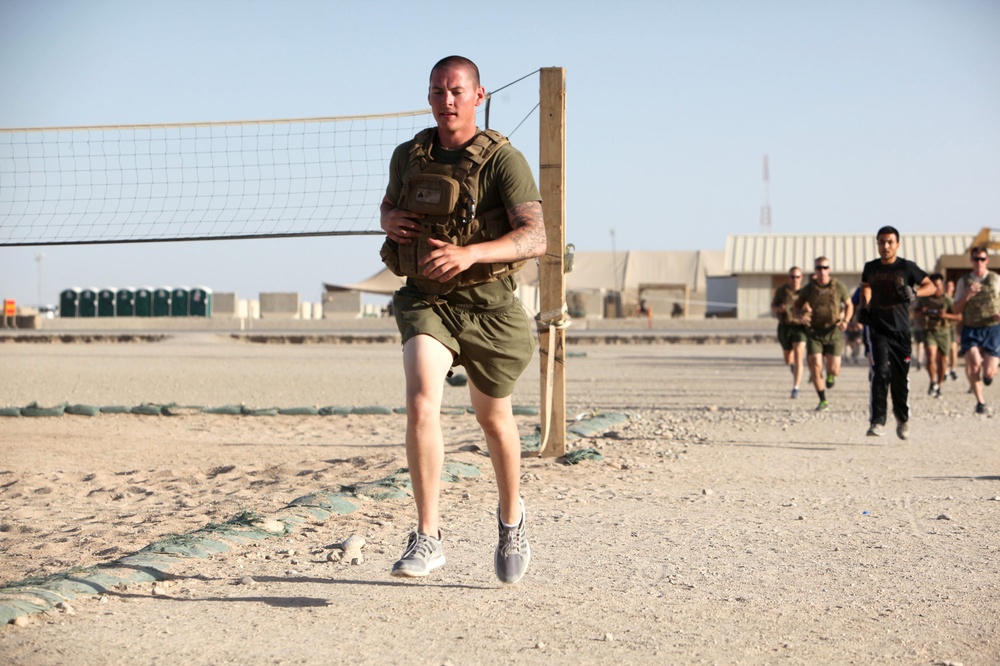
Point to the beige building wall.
(279, 305)
(341, 304)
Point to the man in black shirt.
(887, 289)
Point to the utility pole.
(40, 258)
(765, 210)
(614, 261)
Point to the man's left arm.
(848, 311)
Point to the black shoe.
(981, 408)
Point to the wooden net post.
(551, 271)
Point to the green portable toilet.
(161, 302)
(201, 302)
(125, 302)
(106, 302)
(180, 302)
(69, 302)
(88, 303)
(144, 302)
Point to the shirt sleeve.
(514, 177)
(918, 274)
(397, 165)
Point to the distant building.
(760, 262)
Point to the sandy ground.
(727, 523)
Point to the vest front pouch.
(446, 196)
(390, 256)
(432, 194)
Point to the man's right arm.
(777, 303)
(398, 224)
(962, 295)
(861, 313)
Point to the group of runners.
(897, 309)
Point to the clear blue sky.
(872, 112)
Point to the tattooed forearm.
(528, 235)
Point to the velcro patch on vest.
(432, 194)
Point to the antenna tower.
(765, 210)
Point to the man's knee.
(881, 370)
(495, 422)
(421, 406)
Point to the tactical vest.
(979, 309)
(825, 304)
(934, 306)
(787, 296)
(447, 194)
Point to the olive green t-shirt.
(505, 181)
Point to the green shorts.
(790, 334)
(940, 338)
(485, 327)
(825, 341)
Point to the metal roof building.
(760, 262)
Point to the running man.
(461, 213)
(939, 317)
(826, 305)
(977, 299)
(887, 292)
(791, 329)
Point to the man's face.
(822, 271)
(795, 278)
(888, 245)
(939, 287)
(980, 261)
(454, 96)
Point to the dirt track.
(727, 523)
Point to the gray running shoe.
(513, 552)
(423, 555)
(876, 430)
(903, 429)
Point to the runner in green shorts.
(937, 310)
(827, 306)
(461, 213)
(791, 329)
(484, 327)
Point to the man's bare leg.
(426, 363)
(832, 365)
(973, 366)
(798, 354)
(816, 367)
(496, 419)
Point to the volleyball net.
(197, 181)
(204, 181)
